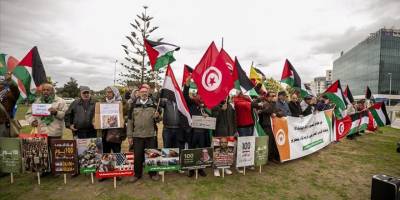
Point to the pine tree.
(138, 70)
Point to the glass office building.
(372, 62)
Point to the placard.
(165, 159)
(35, 152)
(203, 122)
(41, 109)
(108, 115)
(224, 151)
(245, 151)
(261, 152)
(89, 154)
(115, 164)
(63, 157)
(196, 158)
(10, 155)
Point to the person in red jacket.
(244, 114)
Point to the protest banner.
(203, 122)
(108, 115)
(165, 159)
(224, 151)
(245, 151)
(196, 158)
(115, 164)
(10, 155)
(41, 109)
(296, 137)
(35, 153)
(63, 157)
(261, 151)
(89, 154)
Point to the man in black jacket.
(79, 115)
(172, 133)
(294, 106)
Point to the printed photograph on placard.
(196, 158)
(10, 155)
(89, 154)
(115, 164)
(224, 151)
(35, 152)
(166, 159)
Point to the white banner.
(245, 151)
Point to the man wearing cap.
(141, 131)
(282, 103)
(79, 115)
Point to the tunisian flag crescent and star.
(212, 77)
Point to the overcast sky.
(82, 39)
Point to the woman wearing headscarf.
(112, 137)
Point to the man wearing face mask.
(141, 131)
(52, 125)
(79, 115)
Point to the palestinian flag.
(7, 63)
(355, 122)
(342, 127)
(160, 53)
(347, 94)
(378, 111)
(241, 81)
(258, 130)
(171, 90)
(372, 125)
(368, 93)
(29, 74)
(335, 95)
(290, 76)
(364, 120)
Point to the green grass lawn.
(340, 171)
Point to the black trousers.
(200, 138)
(108, 146)
(273, 153)
(138, 147)
(173, 138)
(85, 133)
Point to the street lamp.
(115, 70)
(390, 85)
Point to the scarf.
(117, 96)
(47, 119)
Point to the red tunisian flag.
(212, 77)
(228, 60)
(342, 127)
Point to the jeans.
(246, 131)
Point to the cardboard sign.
(63, 157)
(108, 115)
(10, 155)
(245, 151)
(224, 151)
(35, 152)
(89, 154)
(115, 164)
(196, 158)
(261, 152)
(41, 109)
(166, 159)
(203, 122)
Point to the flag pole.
(222, 42)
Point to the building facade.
(374, 62)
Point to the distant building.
(320, 84)
(374, 62)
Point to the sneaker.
(202, 173)
(239, 171)
(216, 173)
(252, 168)
(133, 179)
(228, 171)
(191, 173)
(155, 177)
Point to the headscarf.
(117, 96)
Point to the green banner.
(10, 155)
(261, 152)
